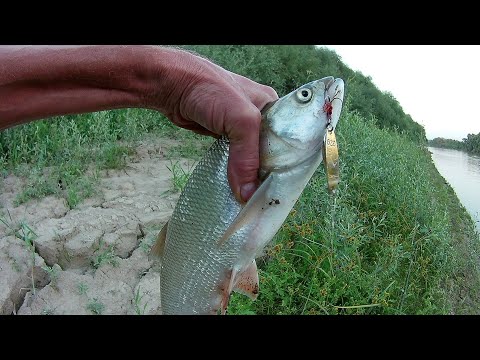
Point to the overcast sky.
(438, 85)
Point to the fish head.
(294, 126)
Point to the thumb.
(243, 160)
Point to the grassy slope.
(394, 241)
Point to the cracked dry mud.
(97, 252)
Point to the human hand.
(210, 100)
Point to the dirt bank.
(91, 259)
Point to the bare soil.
(98, 251)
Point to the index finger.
(258, 94)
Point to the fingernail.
(247, 190)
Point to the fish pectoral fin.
(250, 211)
(247, 282)
(159, 246)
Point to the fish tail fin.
(159, 246)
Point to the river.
(462, 171)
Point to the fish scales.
(203, 212)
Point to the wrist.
(170, 76)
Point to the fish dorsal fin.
(159, 246)
(247, 282)
(249, 211)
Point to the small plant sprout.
(25, 233)
(82, 288)
(53, 272)
(138, 298)
(105, 256)
(180, 176)
(96, 306)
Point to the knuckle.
(270, 92)
(246, 169)
(243, 121)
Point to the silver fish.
(208, 247)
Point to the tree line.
(469, 144)
(286, 67)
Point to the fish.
(209, 245)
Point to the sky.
(438, 85)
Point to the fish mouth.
(327, 81)
(334, 92)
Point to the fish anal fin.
(227, 292)
(159, 246)
(247, 282)
(250, 211)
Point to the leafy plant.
(180, 176)
(22, 231)
(105, 255)
(96, 306)
(137, 303)
(82, 288)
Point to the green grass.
(390, 242)
(70, 181)
(104, 255)
(48, 311)
(95, 306)
(62, 156)
(150, 238)
(15, 265)
(82, 288)
(21, 230)
(192, 147)
(139, 310)
(179, 175)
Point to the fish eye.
(304, 95)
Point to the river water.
(462, 171)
